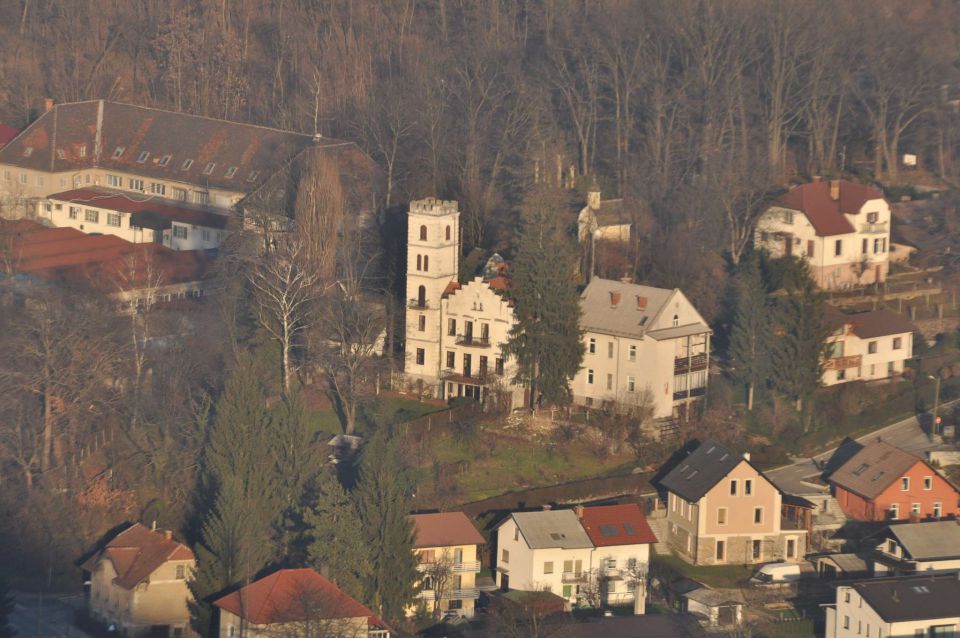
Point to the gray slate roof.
(912, 597)
(927, 541)
(552, 528)
(627, 318)
(700, 471)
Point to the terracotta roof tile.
(7, 133)
(825, 213)
(873, 469)
(869, 324)
(616, 525)
(444, 529)
(137, 552)
(126, 202)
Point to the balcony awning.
(679, 331)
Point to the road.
(908, 435)
(49, 617)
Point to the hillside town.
(516, 319)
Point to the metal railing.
(875, 228)
(573, 577)
(464, 593)
(417, 304)
(472, 342)
(464, 567)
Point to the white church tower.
(433, 256)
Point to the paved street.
(50, 618)
(908, 435)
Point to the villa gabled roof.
(825, 213)
(552, 528)
(928, 540)
(444, 529)
(137, 552)
(696, 475)
(609, 525)
(873, 469)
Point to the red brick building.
(882, 482)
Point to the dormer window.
(187, 163)
(208, 169)
(231, 171)
(118, 152)
(82, 151)
(143, 157)
(788, 217)
(872, 218)
(28, 151)
(61, 154)
(165, 160)
(253, 176)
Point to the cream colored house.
(918, 548)
(645, 348)
(138, 583)
(894, 607)
(866, 346)
(841, 228)
(722, 510)
(295, 602)
(447, 546)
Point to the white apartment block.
(841, 228)
(645, 347)
(866, 346)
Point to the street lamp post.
(936, 404)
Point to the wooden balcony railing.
(843, 363)
(682, 365)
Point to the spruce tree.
(6, 610)
(335, 536)
(383, 500)
(750, 334)
(546, 339)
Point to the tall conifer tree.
(750, 336)
(546, 339)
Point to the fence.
(439, 422)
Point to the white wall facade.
(854, 617)
(853, 360)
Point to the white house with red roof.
(295, 602)
(841, 228)
(138, 583)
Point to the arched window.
(448, 233)
(426, 263)
(419, 262)
(423, 233)
(422, 296)
(676, 320)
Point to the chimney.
(746, 456)
(641, 302)
(834, 189)
(47, 105)
(815, 179)
(614, 299)
(626, 279)
(578, 510)
(167, 535)
(546, 507)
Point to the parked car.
(776, 573)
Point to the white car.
(772, 573)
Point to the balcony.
(469, 377)
(472, 342)
(689, 394)
(842, 363)
(466, 593)
(573, 577)
(877, 228)
(417, 304)
(682, 365)
(465, 567)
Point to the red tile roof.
(103, 262)
(451, 288)
(869, 324)
(292, 595)
(137, 552)
(873, 469)
(7, 133)
(825, 213)
(130, 203)
(444, 530)
(616, 525)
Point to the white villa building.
(841, 228)
(866, 346)
(645, 348)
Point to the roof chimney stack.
(641, 302)
(834, 189)
(746, 456)
(546, 507)
(614, 298)
(593, 196)
(168, 535)
(578, 510)
(815, 179)
(47, 105)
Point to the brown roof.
(616, 525)
(292, 595)
(7, 133)
(137, 552)
(825, 213)
(873, 469)
(127, 203)
(870, 324)
(444, 529)
(242, 155)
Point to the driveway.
(48, 617)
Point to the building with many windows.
(866, 346)
(447, 546)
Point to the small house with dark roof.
(295, 602)
(921, 605)
(866, 346)
(721, 510)
(447, 546)
(912, 548)
(882, 482)
(138, 583)
(841, 228)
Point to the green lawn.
(716, 576)
(373, 413)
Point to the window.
(915, 509)
(872, 218)
(747, 487)
(187, 163)
(201, 197)
(757, 515)
(165, 160)
(158, 189)
(905, 484)
(452, 327)
(91, 216)
(609, 381)
(419, 262)
(632, 356)
(846, 622)
(610, 350)
(841, 375)
(567, 591)
(592, 346)
(423, 233)
(179, 194)
(426, 263)
(499, 365)
(135, 184)
(791, 548)
(74, 212)
(253, 176)
(420, 356)
(721, 516)
(23, 178)
(114, 180)
(427, 583)
(846, 596)
(205, 235)
(118, 152)
(208, 169)
(788, 217)
(733, 487)
(82, 150)
(928, 483)
(676, 321)
(448, 233)
(590, 376)
(143, 157)
(865, 245)
(421, 323)
(897, 343)
(113, 219)
(568, 566)
(179, 232)
(937, 510)
(548, 567)
(631, 384)
(504, 556)
(894, 511)
(39, 180)
(231, 172)
(756, 550)
(838, 248)
(719, 554)
(181, 572)
(451, 359)
(61, 154)
(872, 347)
